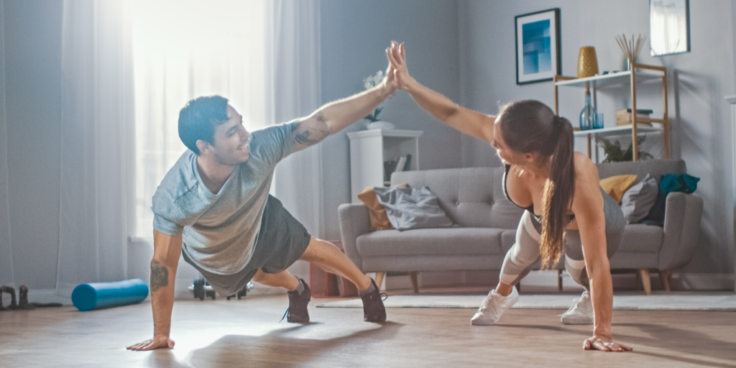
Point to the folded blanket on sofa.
(412, 208)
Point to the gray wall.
(698, 81)
(354, 34)
(33, 110)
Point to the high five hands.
(397, 60)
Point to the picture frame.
(669, 27)
(538, 56)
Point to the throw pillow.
(670, 183)
(410, 208)
(639, 199)
(616, 186)
(376, 212)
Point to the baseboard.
(627, 281)
(45, 296)
(703, 281)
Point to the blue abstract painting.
(537, 46)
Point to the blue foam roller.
(98, 295)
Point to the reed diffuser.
(631, 47)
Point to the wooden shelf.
(613, 79)
(628, 79)
(617, 130)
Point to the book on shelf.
(388, 168)
(407, 165)
(401, 163)
(623, 117)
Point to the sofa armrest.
(683, 213)
(354, 222)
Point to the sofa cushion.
(617, 185)
(656, 168)
(639, 199)
(508, 238)
(450, 242)
(412, 208)
(471, 197)
(640, 238)
(377, 213)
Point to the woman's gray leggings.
(525, 252)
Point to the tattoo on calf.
(159, 276)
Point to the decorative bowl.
(385, 125)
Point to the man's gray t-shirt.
(219, 230)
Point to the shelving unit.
(370, 148)
(644, 72)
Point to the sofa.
(486, 227)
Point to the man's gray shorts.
(281, 241)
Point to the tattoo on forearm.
(159, 276)
(309, 135)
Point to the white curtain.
(6, 250)
(261, 55)
(96, 143)
(183, 50)
(296, 81)
(128, 68)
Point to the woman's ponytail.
(558, 193)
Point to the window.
(184, 49)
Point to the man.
(214, 208)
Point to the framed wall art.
(669, 27)
(538, 56)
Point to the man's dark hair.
(198, 119)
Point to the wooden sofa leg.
(646, 281)
(414, 283)
(379, 279)
(559, 280)
(666, 277)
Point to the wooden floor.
(247, 333)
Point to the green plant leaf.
(614, 153)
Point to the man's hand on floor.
(157, 342)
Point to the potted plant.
(373, 121)
(614, 153)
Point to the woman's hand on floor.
(157, 342)
(604, 344)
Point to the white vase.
(385, 125)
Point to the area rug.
(715, 302)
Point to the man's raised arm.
(166, 251)
(336, 116)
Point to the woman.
(566, 211)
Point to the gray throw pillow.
(639, 199)
(411, 208)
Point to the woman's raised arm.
(467, 121)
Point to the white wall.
(699, 80)
(32, 35)
(354, 36)
(6, 252)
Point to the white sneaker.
(493, 307)
(581, 313)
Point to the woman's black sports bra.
(536, 217)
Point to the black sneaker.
(297, 311)
(373, 309)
